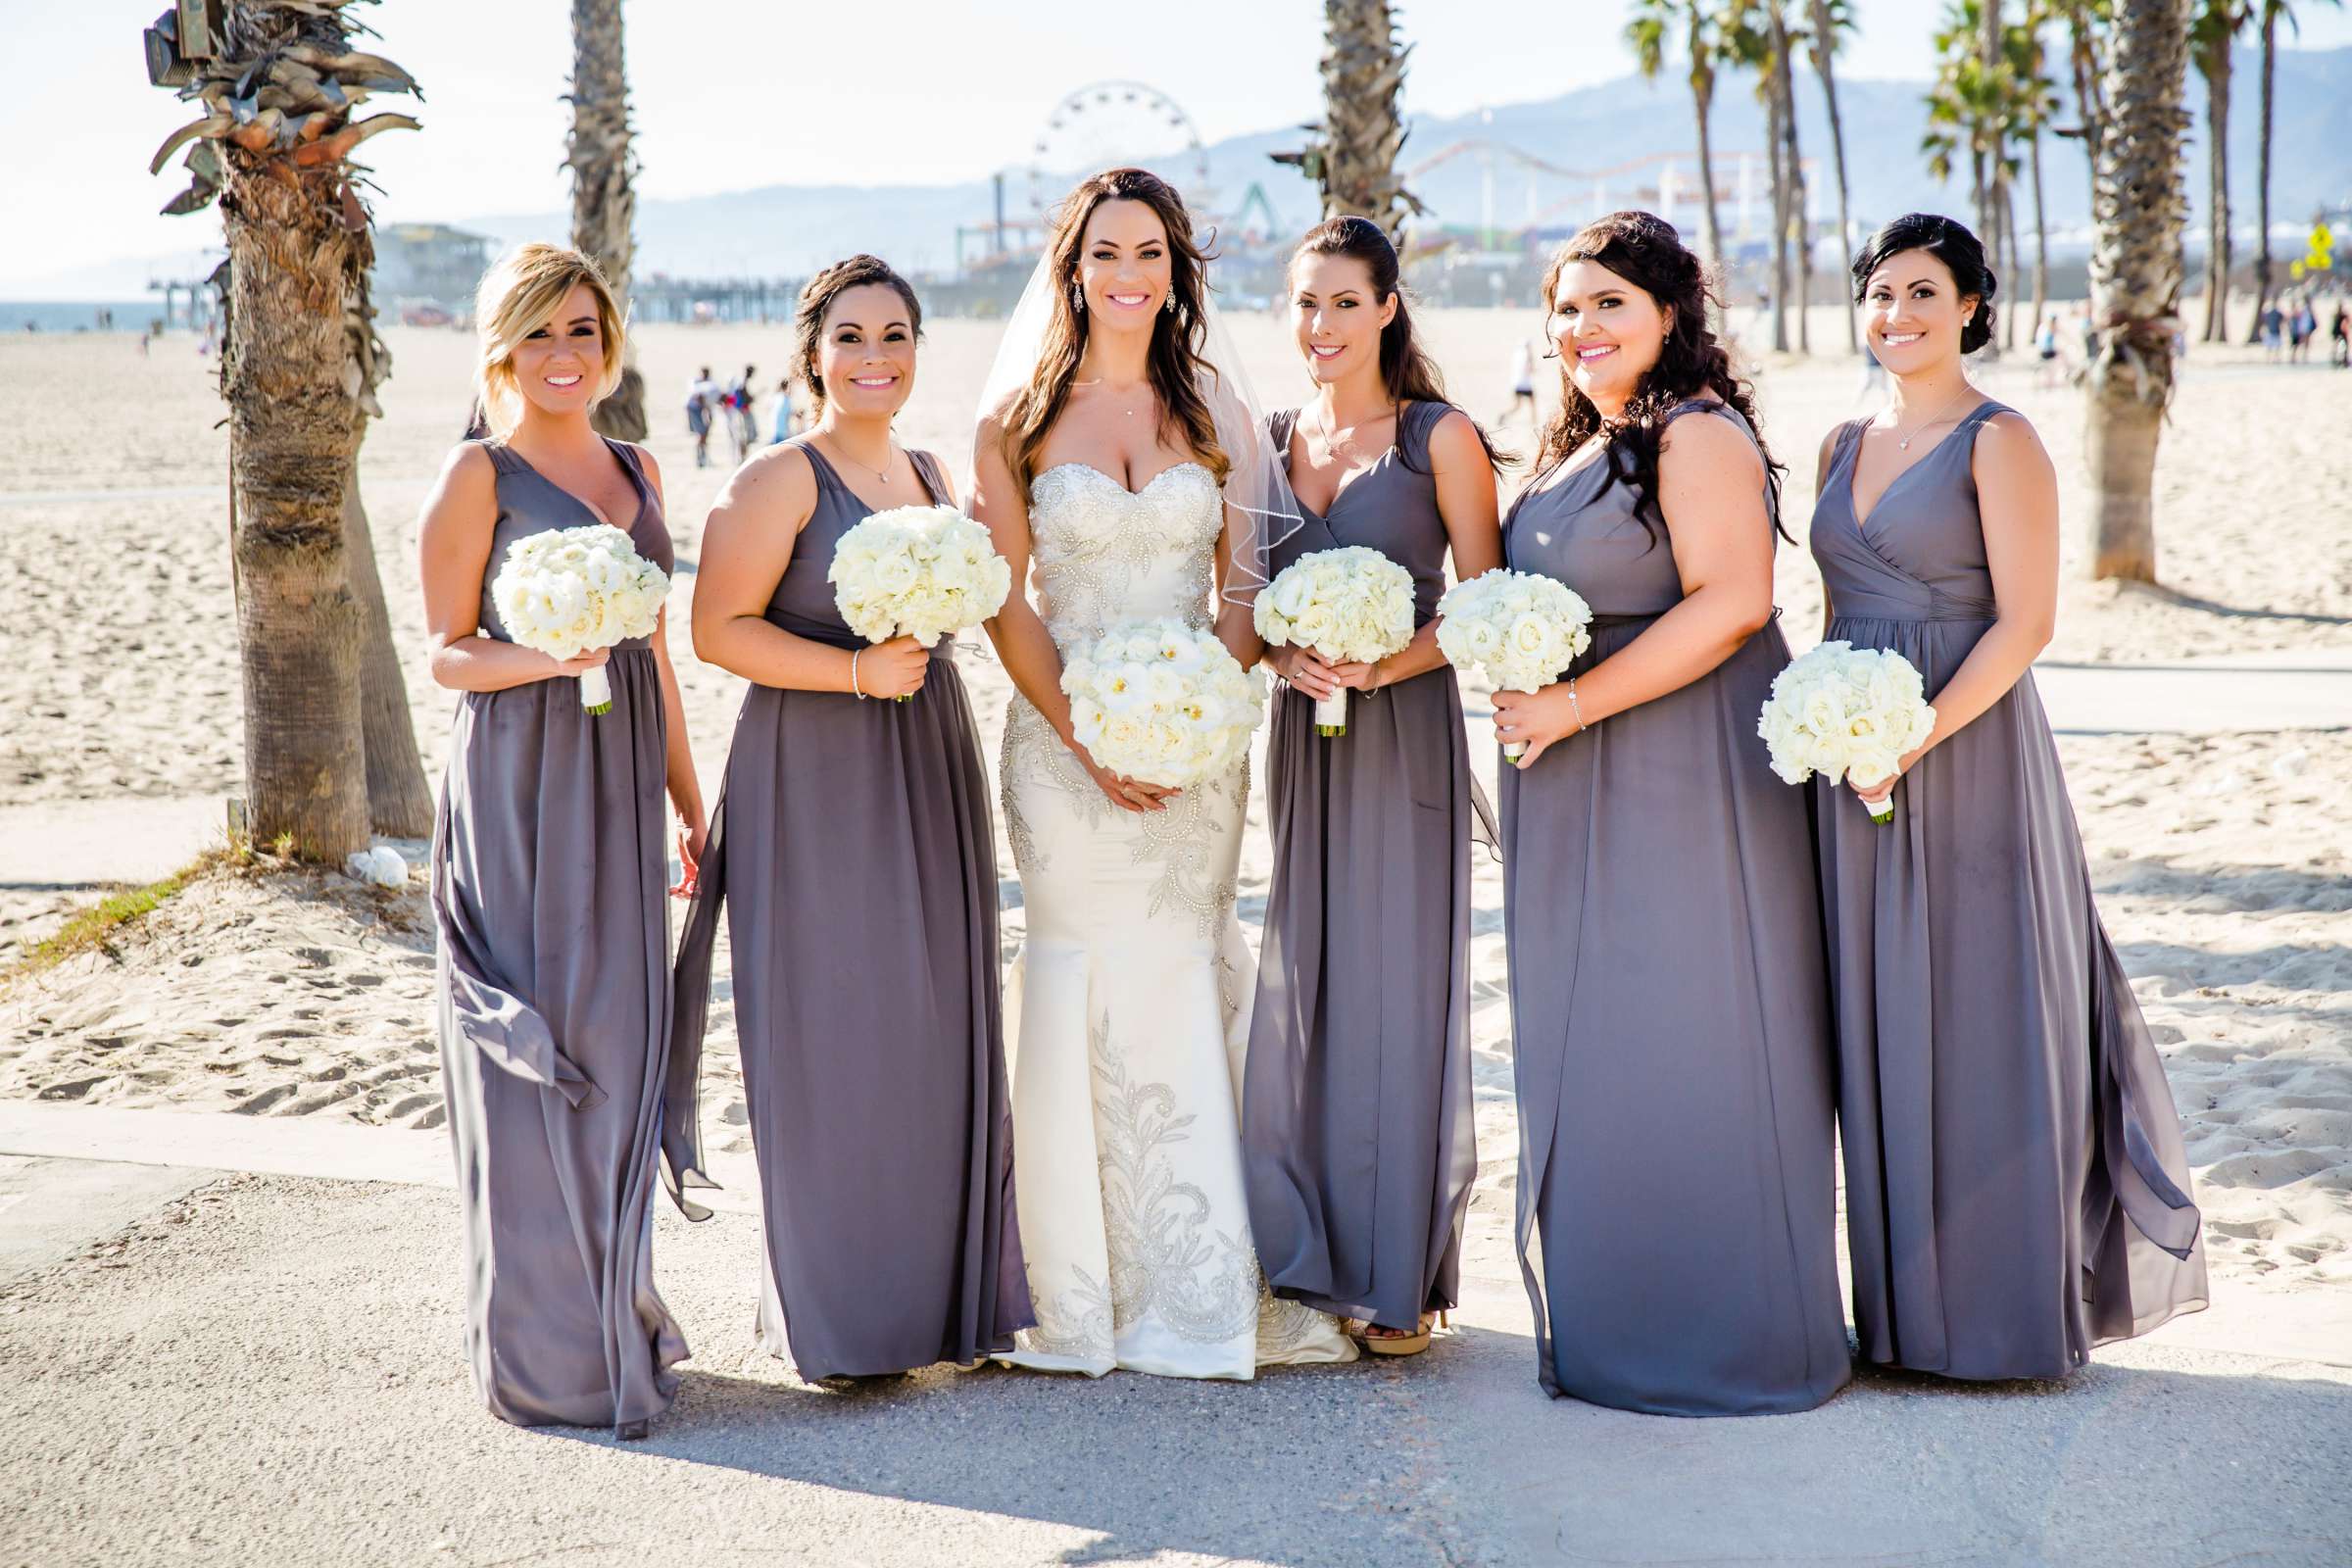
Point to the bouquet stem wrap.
(596, 691)
(1331, 712)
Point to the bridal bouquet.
(1157, 700)
(571, 590)
(924, 572)
(1848, 714)
(1523, 626)
(1350, 605)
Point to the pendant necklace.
(1903, 443)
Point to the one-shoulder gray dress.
(1670, 1014)
(854, 851)
(553, 1003)
(2015, 1185)
(1356, 1121)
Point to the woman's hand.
(894, 669)
(1127, 794)
(1873, 794)
(1535, 719)
(1316, 676)
(693, 837)
(577, 665)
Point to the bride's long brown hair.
(1175, 362)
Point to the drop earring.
(1167, 306)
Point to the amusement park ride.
(1105, 124)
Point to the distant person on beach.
(739, 400)
(1523, 386)
(1874, 376)
(784, 415)
(701, 401)
(2339, 335)
(2273, 332)
(2046, 348)
(2306, 327)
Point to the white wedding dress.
(1129, 1003)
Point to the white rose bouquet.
(1157, 700)
(1350, 605)
(1848, 714)
(571, 590)
(924, 572)
(1522, 627)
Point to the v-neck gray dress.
(2016, 1187)
(853, 849)
(1670, 1014)
(554, 1005)
(1356, 1122)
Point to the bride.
(1125, 465)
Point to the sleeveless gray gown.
(553, 1009)
(1356, 1120)
(2016, 1187)
(1670, 1014)
(853, 849)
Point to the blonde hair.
(521, 294)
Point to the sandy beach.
(2223, 861)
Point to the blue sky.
(730, 96)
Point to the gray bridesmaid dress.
(1356, 1121)
(2016, 1189)
(553, 1004)
(854, 851)
(1670, 1014)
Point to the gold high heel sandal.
(1402, 1343)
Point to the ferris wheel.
(1107, 123)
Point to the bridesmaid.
(1668, 1000)
(855, 852)
(1356, 1122)
(553, 991)
(2016, 1190)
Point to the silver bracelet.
(854, 655)
(1575, 706)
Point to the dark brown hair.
(1177, 334)
(1406, 368)
(1645, 250)
(809, 319)
(1950, 242)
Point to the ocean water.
(81, 316)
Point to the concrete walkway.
(199, 1366)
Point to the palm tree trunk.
(293, 424)
(2041, 235)
(1993, 61)
(1702, 95)
(1776, 163)
(1800, 237)
(2215, 67)
(2016, 265)
(604, 199)
(1363, 128)
(2262, 196)
(1825, 36)
(2136, 273)
(399, 803)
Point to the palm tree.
(1757, 36)
(1353, 154)
(1830, 20)
(2138, 211)
(2085, 22)
(604, 203)
(279, 83)
(2212, 35)
(2273, 13)
(1654, 22)
(399, 802)
(2034, 99)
